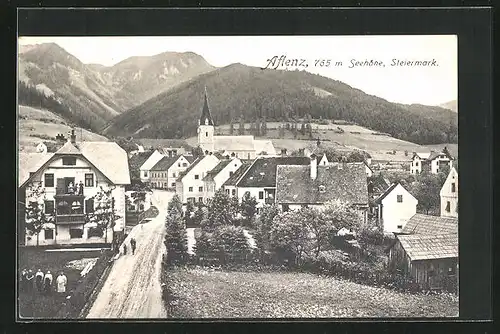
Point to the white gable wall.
(448, 195)
(395, 215)
(191, 185)
(148, 164)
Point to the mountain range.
(95, 94)
(161, 96)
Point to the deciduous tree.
(35, 210)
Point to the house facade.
(431, 162)
(449, 195)
(215, 178)
(148, 164)
(164, 174)
(394, 208)
(314, 186)
(260, 178)
(190, 186)
(96, 166)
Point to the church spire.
(206, 117)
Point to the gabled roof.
(205, 112)
(195, 162)
(295, 186)
(234, 143)
(165, 163)
(109, 158)
(266, 146)
(233, 179)
(137, 160)
(262, 173)
(426, 224)
(428, 247)
(378, 184)
(30, 162)
(216, 170)
(379, 199)
(431, 155)
(189, 158)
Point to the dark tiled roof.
(189, 158)
(294, 184)
(237, 174)
(205, 113)
(263, 171)
(428, 247)
(165, 163)
(425, 224)
(378, 184)
(220, 166)
(385, 193)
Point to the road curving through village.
(132, 289)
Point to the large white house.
(215, 178)
(431, 162)
(94, 165)
(394, 208)
(449, 195)
(243, 147)
(190, 186)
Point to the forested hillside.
(241, 91)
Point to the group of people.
(133, 244)
(76, 189)
(42, 282)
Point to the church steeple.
(206, 117)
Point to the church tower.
(206, 128)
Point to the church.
(243, 147)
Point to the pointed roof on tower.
(205, 113)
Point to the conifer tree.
(175, 236)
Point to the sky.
(429, 85)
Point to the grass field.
(36, 125)
(31, 303)
(203, 293)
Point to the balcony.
(70, 219)
(64, 192)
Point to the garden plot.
(205, 293)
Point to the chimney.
(73, 137)
(314, 167)
(283, 152)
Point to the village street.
(132, 289)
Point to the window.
(261, 195)
(69, 161)
(447, 206)
(227, 191)
(49, 234)
(89, 206)
(75, 233)
(173, 174)
(49, 207)
(206, 134)
(191, 189)
(173, 184)
(94, 232)
(451, 270)
(453, 189)
(49, 180)
(437, 170)
(145, 173)
(400, 226)
(231, 174)
(196, 177)
(89, 180)
(200, 199)
(233, 192)
(165, 185)
(400, 198)
(179, 164)
(200, 188)
(184, 164)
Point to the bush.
(226, 245)
(370, 235)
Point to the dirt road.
(132, 289)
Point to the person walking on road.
(124, 249)
(132, 245)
